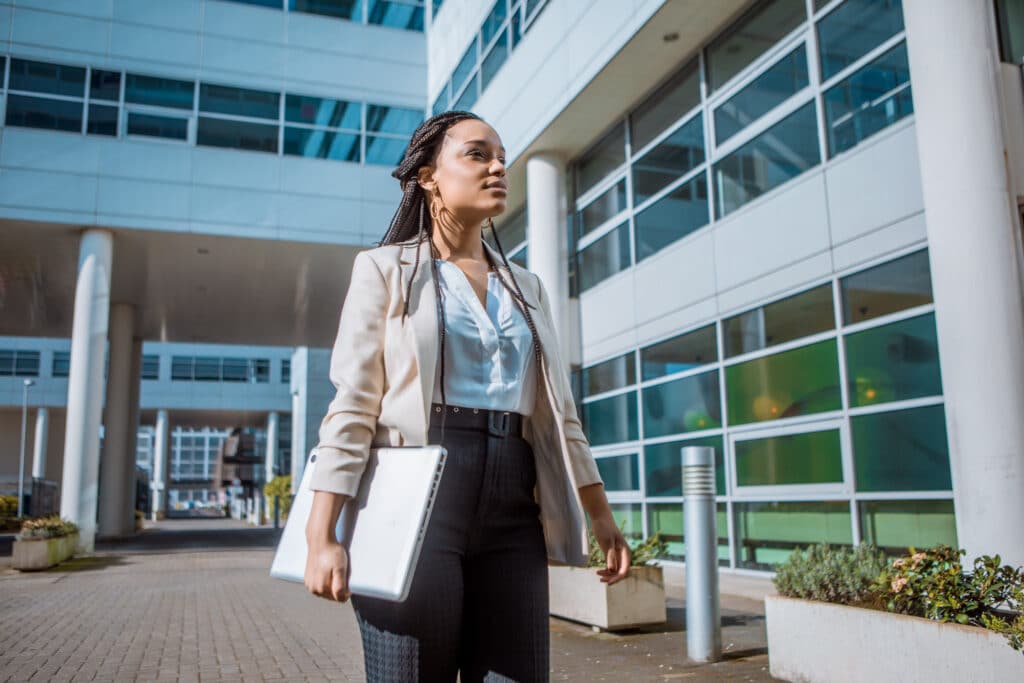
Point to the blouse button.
(455, 409)
(476, 410)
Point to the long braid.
(409, 225)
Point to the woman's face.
(469, 172)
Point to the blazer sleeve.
(357, 373)
(584, 466)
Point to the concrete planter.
(578, 593)
(42, 553)
(819, 642)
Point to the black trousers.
(478, 604)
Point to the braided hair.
(409, 225)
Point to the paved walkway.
(191, 600)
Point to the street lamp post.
(21, 464)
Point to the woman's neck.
(459, 241)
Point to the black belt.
(495, 422)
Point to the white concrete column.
(158, 479)
(117, 411)
(85, 385)
(132, 427)
(547, 254)
(979, 307)
(299, 450)
(272, 430)
(39, 443)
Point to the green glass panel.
(766, 533)
(688, 404)
(812, 458)
(893, 362)
(905, 450)
(663, 464)
(629, 518)
(620, 472)
(612, 419)
(800, 381)
(667, 518)
(895, 525)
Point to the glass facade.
(824, 408)
(403, 14)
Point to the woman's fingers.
(339, 591)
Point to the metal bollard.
(703, 624)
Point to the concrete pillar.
(299, 450)
(117, 448)
(132, 427)
(39, 443)
(158, 480)
(272, 430)
(85, 385)
(547, 255)
(979, 308)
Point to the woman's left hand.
(615, 548)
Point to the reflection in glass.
(1010, 18)
(781, 153)
(629, 518)
(665, 106)
(855, 28)
(766, 533)
(161, 92)
(322, 112)
(381, 119)
(105, 85)
(672, 217)
(464, 67)
(785, 78)
(387, 151)
(215, 132)
(339, 9)
(604, 257)
(801, 381)
(611, 420)
(619, 472)
(42, 112)
(893, 286)
(468, 97)
(223, 99)
(809, 458)
(608, 204)
(796, 316)
(894, 362)
(102, 120)
(687, 351)
(667, 519)
(688, 404)
(895, 525)
(663, 463)
(613, 373)
(494, 59)
(492, 24)
(321, 144)
(904, 450)
(750, 37)
(171, 127)
(605, 156)
(44, 77)
(395, 14)
(672, 158)
(870, 100)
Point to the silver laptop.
(382, 527)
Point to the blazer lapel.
(423, 318)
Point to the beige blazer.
(384, 368)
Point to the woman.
(442, 340)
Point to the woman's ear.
(425, 178)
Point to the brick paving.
(191, 600)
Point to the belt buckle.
(498, 422)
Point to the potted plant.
(277, 490)
(916, 617)
(577, 593)
(44, 542)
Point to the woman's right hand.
(327, 571)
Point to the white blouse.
(489, 360)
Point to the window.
(609, 375)
(802, 459)
(894, 525)
(604, 257)
(19, 363)
(902, 450)
(684, 352)
(406, 15)
(663, 463)
(672, 158)
(150, 367)
(672, 217)
(766, 533)
(599, 161)
(894, 286)
(664, 106)
(223, 99)
(611, 420)
(601, 209)
(286, 371)
(747, 39)
(894, 362)
(619, 472)
(687, 404)
(160, 92)
(853, 29)
(61, 364)
(667, 519)
(1010, 18)
(57, 100)
(339, 9)
(796, 316)
(214, 369)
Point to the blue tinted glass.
(43, 77)
(672, 217)
(493, 21)
(105, 85)
(381, 119)
(493, 61)
(905, 450)
(237, 134)
(751, 36)
(781, 153)
(441, 103)
(157, 126)
(853, 29)
(223, 99)
(687, 351)
(396, 14)
(382, 150)
(785, 78)
(620, 472)
(40, 112)
(607, 375)
(322, 144)
(339, 9)
(604, 257)
(608, 204)
(163, 92)
(516, 28)
(611, 420)
(465, 67)
(276, 4)
(870, 100)
(468, 97)
(688, 404)
(892, 286)
(102, 120)
(672, 158)
(322, 112)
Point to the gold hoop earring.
(435, 205)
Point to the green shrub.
(47, 527)
(932, 584)
(641, 553)
(8, 506)
(842, 575)
(281, 486)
